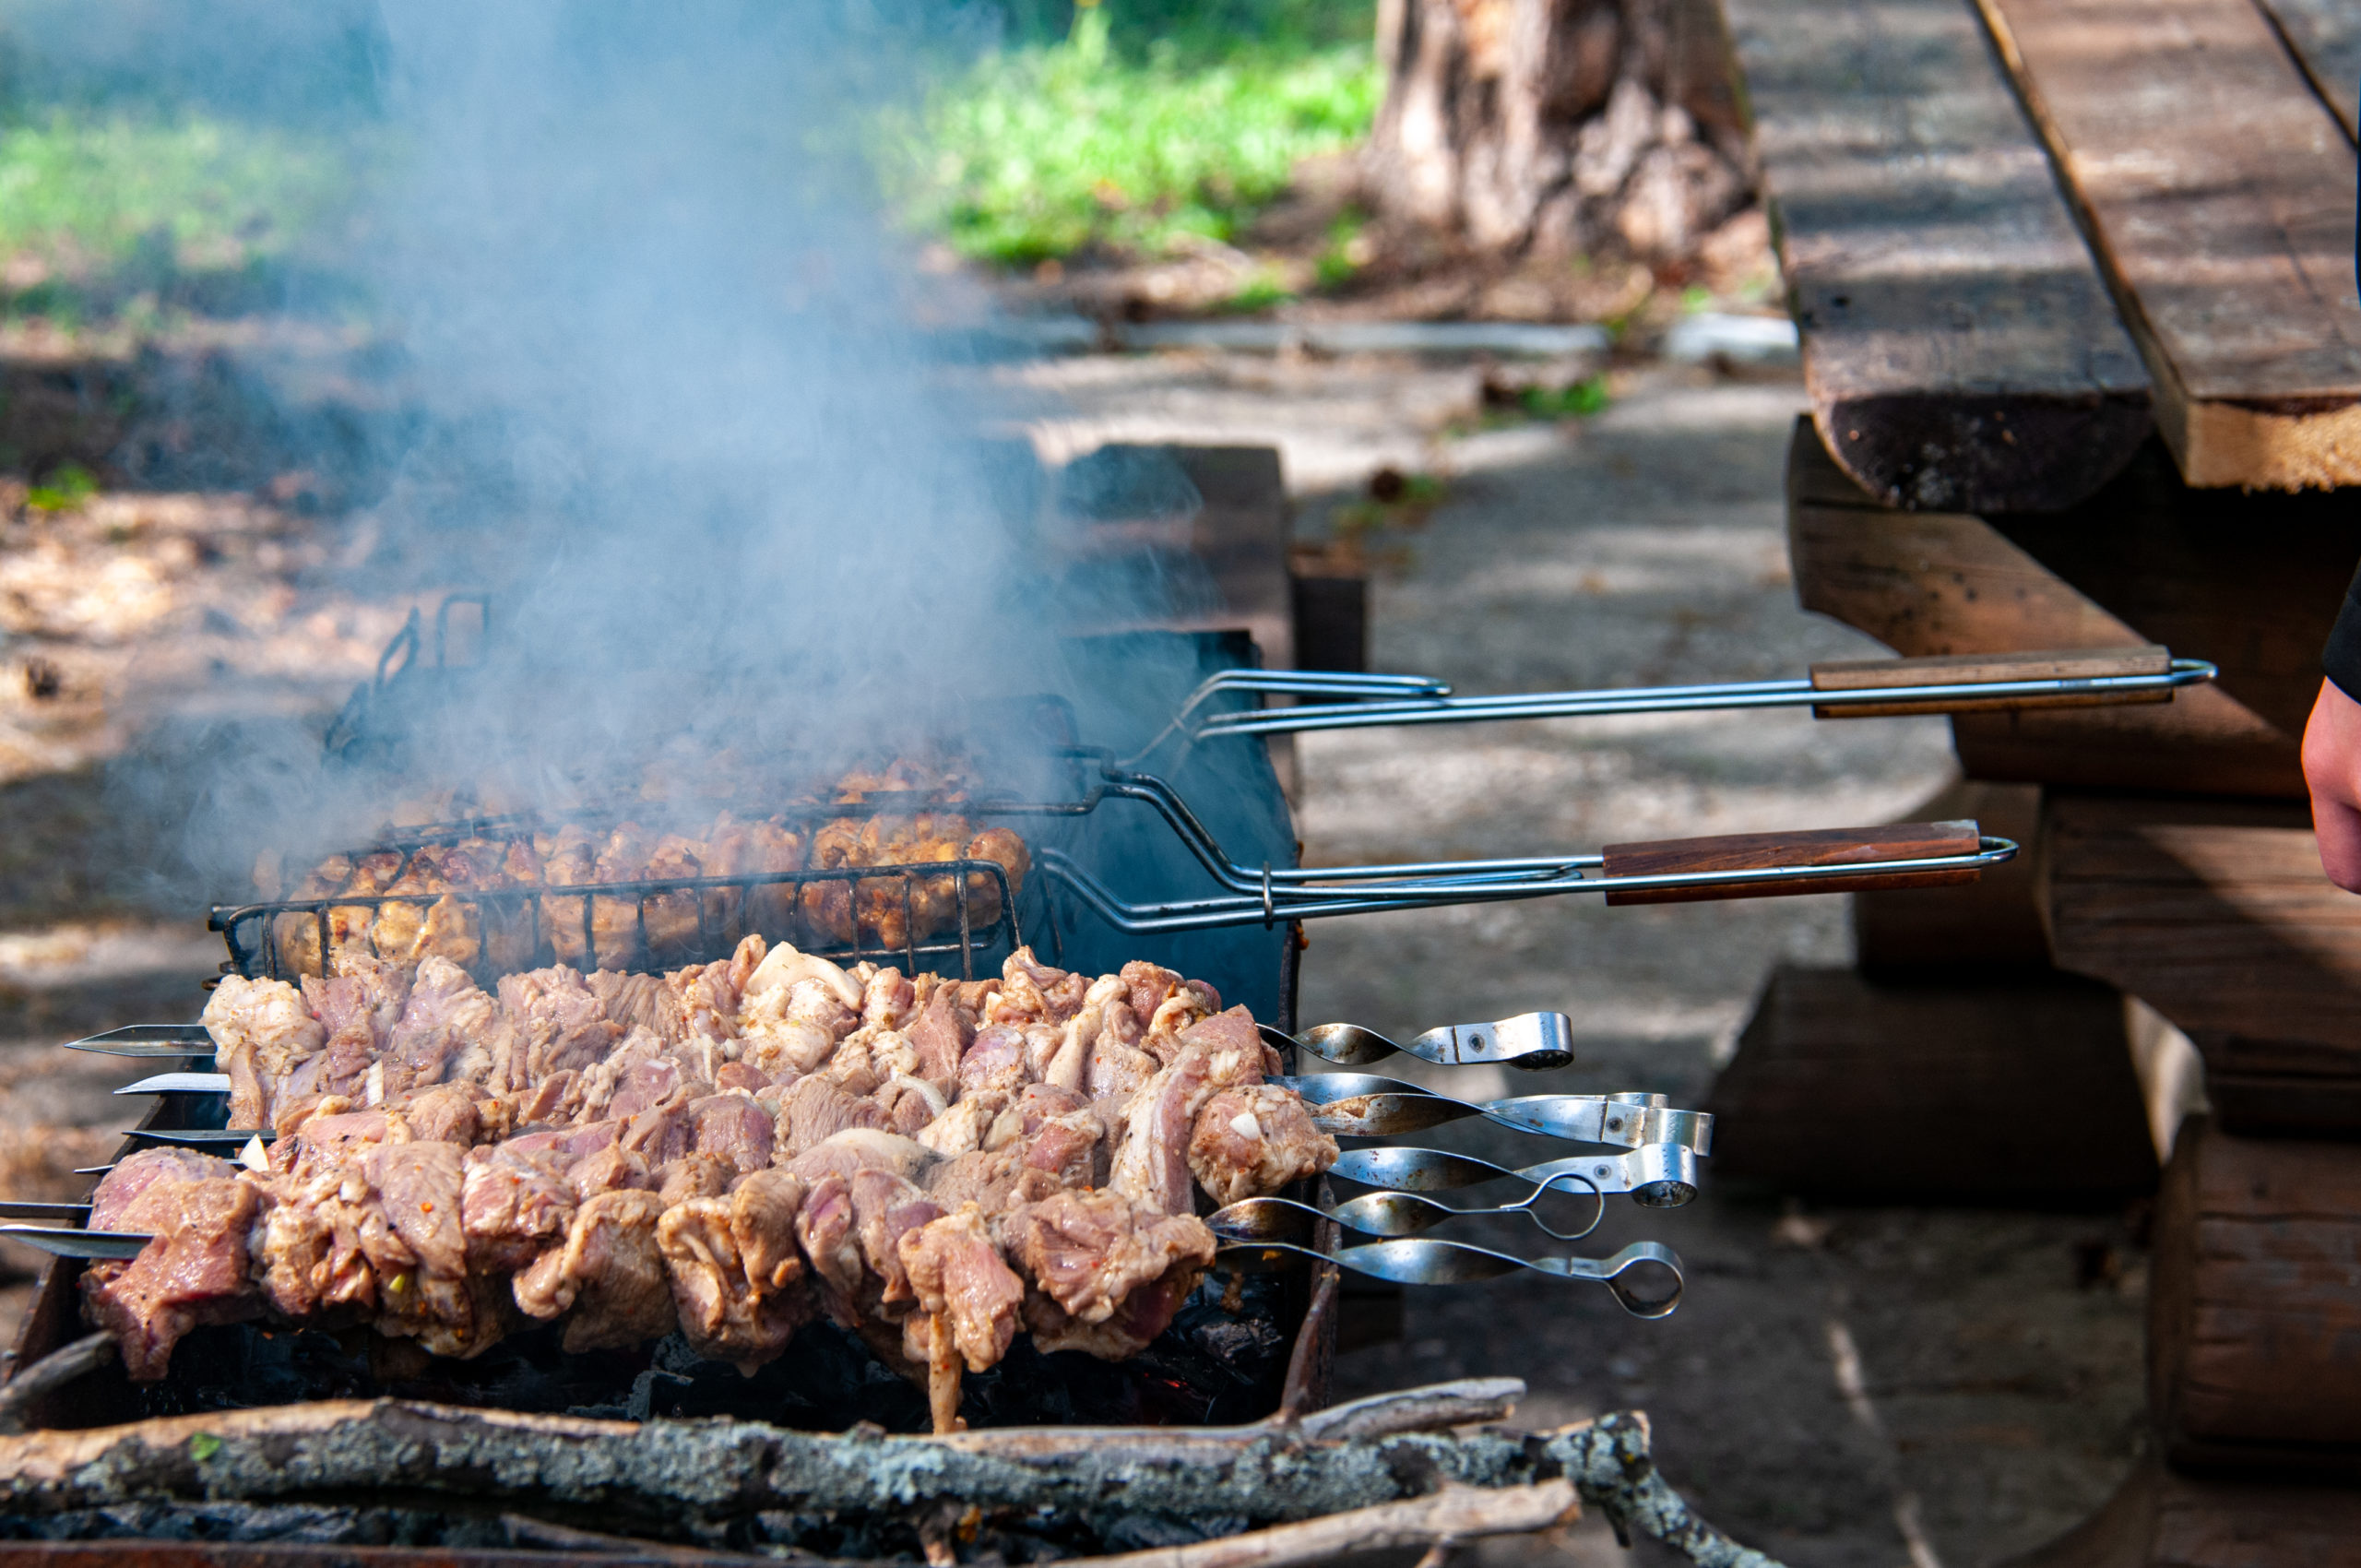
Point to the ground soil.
(1870, 1386)
(1867, 1387)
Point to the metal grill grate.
(665, 921)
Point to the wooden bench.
(2074, 280)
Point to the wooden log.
(669, 1479)
(2015, 1090)
(2252, 582)
(1959, 346)
(1821, 847)
(2161, 1519)
(2325, 37)
(2254, 1327)
(2218, 192)
(2216, 914)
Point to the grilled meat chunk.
(194, 1271)
(1251, 1142)
(1151, 1165)
(559, 1023)
(111, 1203)
(513, 1206)
(444, 1012)
(863, 1148)
(1108, 1274)
(737, 1282)
(609, 1275)
(261, 1031)
(957, 1272)
(411, 1231)
(815, 1109)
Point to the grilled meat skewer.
(726, 1149)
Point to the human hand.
(2333, 772)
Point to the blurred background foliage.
(154, 162)
(1131, 125)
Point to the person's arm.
(2332, 749)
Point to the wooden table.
(2075, 284)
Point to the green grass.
(1579, 400)
(67, 487)
(1041, 151)
(1131, 126)
(115, 205)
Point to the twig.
(522, 1529)
(50, 1374)
(1455, 1514)
(1611, 1467)
(1432, 1408)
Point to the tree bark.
(1558, 126)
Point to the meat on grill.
(477, 897)
(1108, 1272)
(635, 1154)
(194, 1272)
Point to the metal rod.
(1734, 694)
(1299, 902)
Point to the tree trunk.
(1558, 126)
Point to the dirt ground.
(1870, 1386)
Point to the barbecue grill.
(1173, 843)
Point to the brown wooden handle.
(1964, 669)
(1822, 847)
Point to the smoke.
(652, 382)
(681, 425)
(654, 386)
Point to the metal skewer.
(76, 1242)
(1360, 1104)
(1655, 1175)
(1392, 1214)
(1530, 1039)
(1426, 1260)
(180, 1083)
(200, 1137)
(168, 1042)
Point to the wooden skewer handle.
(1826, 846)
(1964, 669)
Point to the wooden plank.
(2325, 37)
(1949, 583)
(2216, 913)
(2255, 1296)
(2219, 192)
(1331, 609)
(1952, 1089)
(1959, 345)
(1818, 847)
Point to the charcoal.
(1222, 1360)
